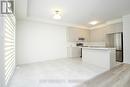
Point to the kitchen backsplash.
(98, 44)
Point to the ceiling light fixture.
(94, 22)
(57, 14)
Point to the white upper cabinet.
(74, 34)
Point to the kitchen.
(97, 38)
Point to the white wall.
(2, 81)
(36, 42)
(126, 38)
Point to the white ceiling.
(76, 12)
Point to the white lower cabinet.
(74, 52)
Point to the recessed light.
(94, 22)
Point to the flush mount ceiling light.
(94, 22)
(57, 14)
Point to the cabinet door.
(74, 34)
(74, 52)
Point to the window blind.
(9, 46)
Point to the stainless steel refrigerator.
(115, 40)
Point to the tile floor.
(55, 73)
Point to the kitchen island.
(103, 57)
